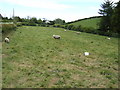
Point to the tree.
(33, 20)
(59, 21)
(17, 19)
(106, 12)
(116, 19)
(70, 27)
(39, 21)
(51, 23)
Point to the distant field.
(93, 22)
(33, 59)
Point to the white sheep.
(7, 40)
(86, 53)
(78, 32)
(65, 30)
(108, 38)
(56, 36)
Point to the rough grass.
(6, 29)
(33, 59)
(89, 23)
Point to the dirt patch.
(53, 81)
(75, 77)
(23, 64)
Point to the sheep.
(65, 30)
(78, 32)
(7, 40)
(86, 53)
(108, 38)
(56, 36)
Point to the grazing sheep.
(7, 40)
(56, 36)
(65, 30)
(86, 53)
(78, 33)
(108, 38)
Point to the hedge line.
(87, 30)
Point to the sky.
(68, 10)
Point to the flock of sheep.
(58, 36)
(7, 40)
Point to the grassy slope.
(34, 59)
(88, 23)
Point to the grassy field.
(93, 22)
(33, 59)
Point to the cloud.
(68, 10)
(49, 4)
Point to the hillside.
(88, 22)
(33, 59)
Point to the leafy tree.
(106, 12)
(25, 20)
(59, 21)
(116, 19)
(39, 21)
(78, 28)
(51, 23)
(17, 19)
(70, 27)
(33, 20)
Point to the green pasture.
(33, 59)
(89, 23)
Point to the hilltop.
(91, 22)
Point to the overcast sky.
(68, 10)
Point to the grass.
(89, 23)
(33, 59)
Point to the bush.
(6, 28)
(78, 28)
(28, 23)
(56, 25)
(66, 26)
(62, 26)
(115, 35)
(43, 25)
(88, 30)
(70, 27)
(31, 24)
(19, 24)
(25, 23)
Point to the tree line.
(33, 21)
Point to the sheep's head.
(53, 35)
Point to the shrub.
(28, 23)
(19, 24)
(31, 24)
(66, 26)
(70, 27)
(62, 26)
(56, 25)
(88, 30)
(43, 24)
(24, 23)
(78, 28)
(6, 28)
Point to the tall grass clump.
(7, 28)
